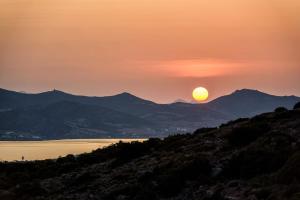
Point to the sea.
(52, 149)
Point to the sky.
(156, 49)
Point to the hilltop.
(249, 158)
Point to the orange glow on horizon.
(156, 49)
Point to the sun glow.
(200, 94)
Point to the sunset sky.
(156, 49)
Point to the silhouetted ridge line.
(24, 116)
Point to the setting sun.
(200, 94)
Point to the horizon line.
(129, 93)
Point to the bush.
(204, 130)
(172, 177)
(290, 172)
(120, 152)
(145, 193)
(32, 188)
(281, 109)
(251, 163)
(245, 135)
(172, 143)
(233, 122)
(68, 158)
(297, 106)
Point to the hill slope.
(65, 119)
(256, 158)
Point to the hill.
(67, 119)
(56, 114)
(255, 158)
(247, 103)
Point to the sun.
(200, 94)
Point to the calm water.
(38, 150)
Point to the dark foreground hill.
(257, 158)
(58, 115)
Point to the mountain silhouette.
(247, 103)
(56, 114)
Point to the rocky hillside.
(257, 158)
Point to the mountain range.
(59, 115)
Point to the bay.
(51, 149)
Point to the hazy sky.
(155, 49)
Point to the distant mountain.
(180, 101)
(247, 103)
(66, 119)
(56, 114)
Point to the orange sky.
(156, 49)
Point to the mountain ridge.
(165, 119)
(252, 102)
(244, 91)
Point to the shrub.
(290, 172)
(251, 163)
(172, 143)
(233, 122)
(32, 188)
(172, 177)
(68, 158)
(152, 142)
(280, 109)
(204, 130)
(121, 152)
(145, 193)
(244, 135)
(297, 106)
